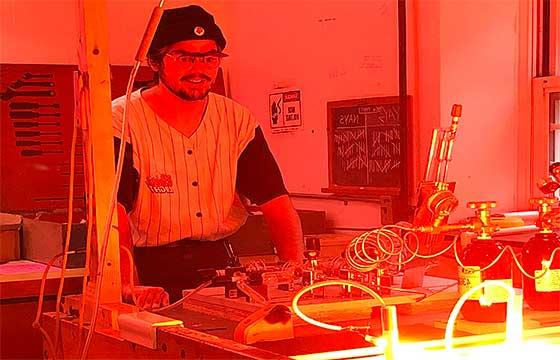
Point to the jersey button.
(195, 183)
(189, 152)
(199, 214)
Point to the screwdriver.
(19, 83)
(36, 142)
(10, 93)
(24, 105)
(28, 124)
(29, 152)
(31, 133)
(29, 114)
(29, 75)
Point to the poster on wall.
(285, 111)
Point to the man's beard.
(186, 94)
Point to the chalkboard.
(366, 146)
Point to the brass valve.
(549, 217)
(441, 204)
(554, 170)
(482, 225)
(548, 186)
(551, 183)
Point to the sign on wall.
(285, 111)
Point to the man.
(191, 156)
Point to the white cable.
(299, 294)
(184, 298)
(144, 46)
(512, 333)
(109, 220)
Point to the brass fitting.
(549, 216)
(443, 228)
(482, 224)
(441, 204)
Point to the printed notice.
(285, 111)
(469, 277)
(548, 282)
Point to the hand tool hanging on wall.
(36, 143)
(32, 152)
(31, 106)
(29, 114)
(32, 133)
(10, 93)
(20, 83)
(29, 75)
(28, 124)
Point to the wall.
(478, 44)
(331, 50)
(38, 32)
(45, 31)
(462, 52)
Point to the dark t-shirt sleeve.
(128, 186)
(258, 176)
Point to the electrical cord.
(37, 322)
(303, 291)
(140, 56)
(112, 205)
(511, 331)
(364, 254)
(89, 235)
(182, 300)
(514, 256)
(68, 230)
(82, 105)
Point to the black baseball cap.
(186, 23)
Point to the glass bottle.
(488, 304)
(543, 293)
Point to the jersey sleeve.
(258, 175)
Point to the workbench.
(210, 322)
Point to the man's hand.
(147, 297)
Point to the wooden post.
(96, 100)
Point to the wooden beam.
(96, 105)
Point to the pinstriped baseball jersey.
(186, 184)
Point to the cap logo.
(199, 31)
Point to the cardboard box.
(43, 240)
(10, 228)
(333, 244)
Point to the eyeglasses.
(211, 59)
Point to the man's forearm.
(285, 228)
(128, 271)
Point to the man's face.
(190, 77)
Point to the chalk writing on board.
(351, 150)
(349, 120)
(386, 142)
(366, 144)
(383, 166)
